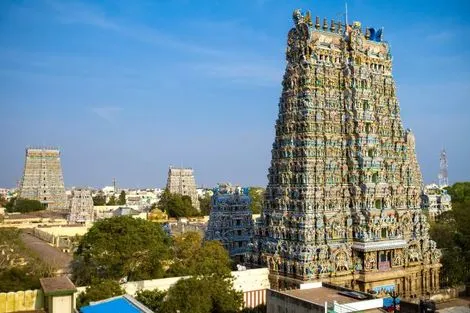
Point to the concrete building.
(230, 220)
(81, 207)
(181, 181)
(435, 200)
(42, 178)
(342, 203)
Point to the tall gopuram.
(343, 200)
(181, 181)
(42, 179)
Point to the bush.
(25, 206)
(99, 290)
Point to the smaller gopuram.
(42, 178)
(181, 181)
(230, 221)
(81, 207)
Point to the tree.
(192, 256)
(10, 204)
(122, 198)
(205, 203)
(99, 199)
(176, 205)
(121, 247)
(256, 195)
(16, 278)
(99, 290)
(112, 200)
(214, 294)
(153, 299)
(452, 235)
(25, 206)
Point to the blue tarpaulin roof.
(120, 305)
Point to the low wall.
(21, 301)
(358, 306)
(253, 283)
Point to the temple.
(181, 181)
(230, 220)
(342, 203)
(42, 179)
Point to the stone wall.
(21, 301)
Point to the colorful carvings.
(344, 183)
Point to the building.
(435, 200)
(81, 207)
(318, 297)
(342, 203)
(230, 220)
(181, 181)
(42, 178)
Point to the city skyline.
(103, 82)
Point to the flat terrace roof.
(320, 295)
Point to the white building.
(436, 200)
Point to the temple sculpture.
(42, 179)
(230, 220)
(342, 203)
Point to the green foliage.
(99, 199)
(121, 247)
(192, 256)
(153, 299)
(10, 204)
(176, 205)
(205, 204)
(112, 200)
(17, 278)
(99, 290)
(213, 294)
(25, 206)
(257, 199)
(122, 198)
(452, 234)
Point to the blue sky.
(127, 88)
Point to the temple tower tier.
(343, 198)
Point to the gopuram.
(181, 181)
(342, 203)
(42, 179)
(231, 221)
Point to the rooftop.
(57, 285)
(121, 304)
(320, 295)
